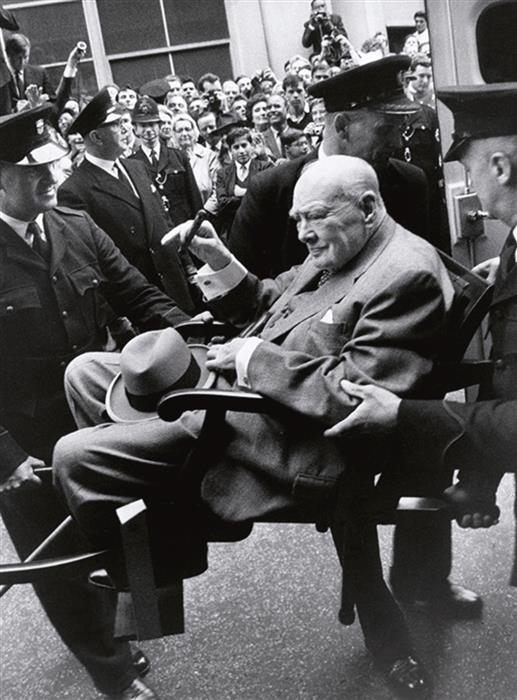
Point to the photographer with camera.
(321, 24)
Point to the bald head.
(337, 207)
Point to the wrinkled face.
(188, 91)
(241, 150)
(185, 134)
(295, 97)
(207, 124)
(127, 98)
(176, 103)
(148, 133)
(19, 60)
(259, 114)
(231, 91)
(244, 85)
(276, 111)
(332, 229)
(28, 190)
(298, 148)
(420, 24)
(423, 80)
(165, 126)
(239, 107)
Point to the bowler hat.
(376, 85)
(152, 364)
(100, 111)
(27, 138)
(145, 111)
(480, 111)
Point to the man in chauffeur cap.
(58, 271)
(479, 437)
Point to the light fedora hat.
(151, 365)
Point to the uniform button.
(62, 363)
(9, 308)
(75, 347)
(151, 250)
(64, 314)
(500, 364)
(54, 278)
(95, 282)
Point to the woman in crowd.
(203, 161)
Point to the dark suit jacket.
(51, 313)
(271, 143)
(135, 225)
(311, 38)
(32, 75)
(264, 238)
(175, 180)
(389, 311)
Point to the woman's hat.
(151, 365)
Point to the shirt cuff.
(217, 283)
(69, 72)
(242, 360)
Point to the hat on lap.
(151, 365)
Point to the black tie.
(510, 261)
(122, 177)
(39, 244)
(507, 258)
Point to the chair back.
(472, 298)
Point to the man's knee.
(71, 453)
(84, 370)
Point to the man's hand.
(23, 476)
(473, 499)
(488, 269)
(206, 244)
(33, 95)
(376, 411)
(220, 357)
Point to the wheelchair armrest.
(173, 404)
(206, 330)
(459, 375)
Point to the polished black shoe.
(136, 690)
(408, 679)
(451, 600)
(141, 663)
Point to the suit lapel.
(109, 185)
(58, 235)
(506, 284)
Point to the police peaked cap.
(27, 138)
(98, 112)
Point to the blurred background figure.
(420, 87)
(422, 33)
(321, 24)
(294, 144)
(127, 97)
(188, 89)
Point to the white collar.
(102, 163)
(20, 227)
(149, 151)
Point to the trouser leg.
(87, 379)
(82, 615)
(422, 548)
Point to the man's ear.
(341, 125)
(368, 205)
(501, 167)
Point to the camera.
(324, 23)
(214, 101)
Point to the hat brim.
(110, 119)
(120, 410)
(47, 153)
(456, 149)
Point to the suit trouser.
(103, 467)
(82, 615)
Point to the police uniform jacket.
(175, 180)
(264, 238)
(53, 311)
(135, 224)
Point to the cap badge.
(40, 126)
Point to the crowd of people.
(313, 186)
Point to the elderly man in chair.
(370, 303)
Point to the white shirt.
(20, 227)
(216, 283)
(242, 171)
(150, 151)
(109, 167)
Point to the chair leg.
(145, 612)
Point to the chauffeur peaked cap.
(98, 112)
(480, 111)
(27, 138)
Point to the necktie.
(242, 173)
(324, 277)
(39, 244)
(121, 176)
(154, 162)
(510, 255)
(19, 85)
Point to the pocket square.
(328, 317)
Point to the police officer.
(59, 272)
